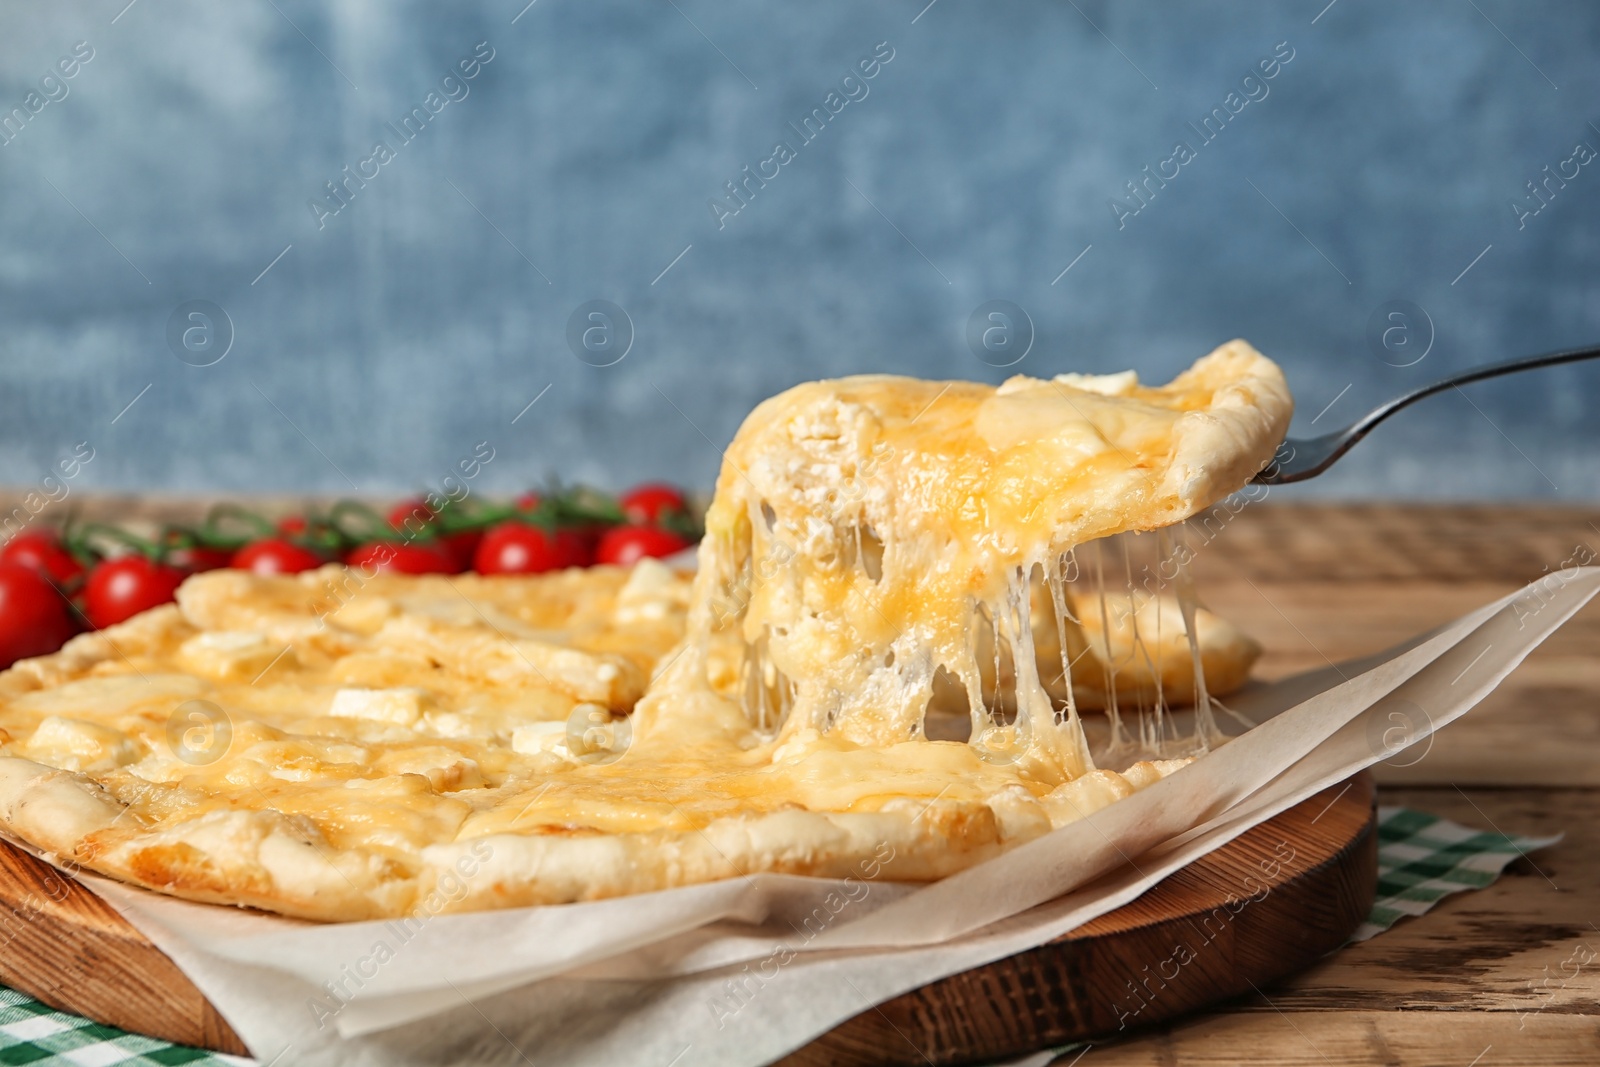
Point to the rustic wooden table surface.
(1487, 978)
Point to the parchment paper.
(739, 972)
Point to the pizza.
(336, 746)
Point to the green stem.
(212, 532)
(88, 531)
(372, 526)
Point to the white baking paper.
(739, 972)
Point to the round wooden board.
(1266, 905)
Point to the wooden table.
(1480, 978)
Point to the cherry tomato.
(120, 588)
(645, 504)
(627, 545)
(293, 525)
(462, 546)
(529, 501)
(273, 555)
(181, 549)
(411, 517)
(193, 558)
(43, 551)
(518, 548)
(396, 558)
(576, 546)
(33, 614)
(588, 535)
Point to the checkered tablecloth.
(32, 1033)
(1421, 860)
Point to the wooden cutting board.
(1266, 905)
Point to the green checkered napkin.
(1421, 860)
(32, 1033)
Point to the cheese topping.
(870, 533)
(337, 746)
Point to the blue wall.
(1382, 160)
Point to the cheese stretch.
(336, 745)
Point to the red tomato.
(120, 588)
(33, 614)
(588, 539)
(411, 517)
(517, 548)
(273, 555)
(627, 545)
(193, 558)
(293, 525)
(576, 547)
(462, 546)
(396, 558)
(43, 551)
(529, 501)
(645, 504)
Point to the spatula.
(1299, 458)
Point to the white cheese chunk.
(232, 655)
(401, 706)
(532, 738)
(652, 593)
(79, 745)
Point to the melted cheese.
(872, 532)
(331, 746)
(368, 731)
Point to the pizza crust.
(269, 861)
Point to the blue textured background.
(425, 315)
